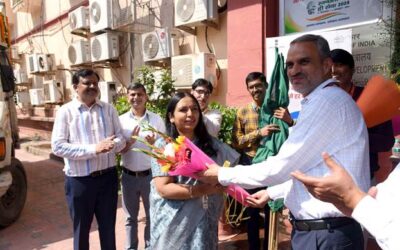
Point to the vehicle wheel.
(13, 201)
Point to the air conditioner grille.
(182, 71)
(151, 46)
(72, 54)
(96, 49)
(96, 12)
(185, 9)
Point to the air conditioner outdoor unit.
(36, 96)
(79, 19)
(20, 76)
(25, 6)
(79, 52)
(108, 90)
(186, 69)
(104, 47)
(14, 3)
(14, 53)
(193, 12)
(160, 44)
(53, 91)
(41, 63)
(134, 17)
(22, 98)
(101, 15)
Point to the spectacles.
(202, 92)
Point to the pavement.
(45, 221)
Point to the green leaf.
(228, 118)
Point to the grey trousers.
(134, 188)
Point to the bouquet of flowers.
(181, 157)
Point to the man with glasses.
(212, 118)
(246, 139)
(87, 133)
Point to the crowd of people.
(327, 196)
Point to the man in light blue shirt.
(329, 120)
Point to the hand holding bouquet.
(181, 157)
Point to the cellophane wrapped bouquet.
(182, 157)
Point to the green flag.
(276, 96)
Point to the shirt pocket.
(76, 129)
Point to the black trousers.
(348, 237)
(253, 223)
(93, 196)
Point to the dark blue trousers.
(93, 196)
(348, 237)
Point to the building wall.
(237, 42)
(245, 43)
(45, 29)
(249, 23)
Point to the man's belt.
(101, 172)
(137, 173)
(321, 224)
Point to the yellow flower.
(179, 141)
(165, 168)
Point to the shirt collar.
(317, 89)
(78, 104)
(255, 106)
(146, 114)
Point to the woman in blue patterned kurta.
(183, 211)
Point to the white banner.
(337, 39)
(307, 15)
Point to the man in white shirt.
(377, 210)
(212, 118)
(136, 170)
(87, 134)
(329, 120)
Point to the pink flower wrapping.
(182, 157)
(191, 160)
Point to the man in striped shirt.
(246, 138)
(87, 134)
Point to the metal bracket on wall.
(187, 29)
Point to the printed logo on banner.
(306, 15)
